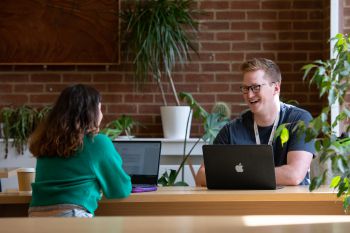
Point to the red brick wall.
(291, 32)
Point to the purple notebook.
(146, 188)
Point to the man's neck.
(268, 117)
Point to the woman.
(74, 162)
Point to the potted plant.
(222, 109)
(212, 123)
(332, 78)
(159, 35)
(121, 127)
(18, 123)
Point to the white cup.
(25, 177)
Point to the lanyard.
(256, 131)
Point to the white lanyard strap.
(256, 131)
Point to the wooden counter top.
(196, 194)
(200, 201)
(188, 224)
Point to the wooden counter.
(200, 201)
(188, 224)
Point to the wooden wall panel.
(59, 31)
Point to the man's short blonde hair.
(272, 71)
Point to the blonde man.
(260, 88)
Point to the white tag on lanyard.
(256, 131)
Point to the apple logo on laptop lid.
(239, 167)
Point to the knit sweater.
(80, 178)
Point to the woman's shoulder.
(99, 139)
(99, 144)
(102, 137)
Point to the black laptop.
(140, 162)
(239, 166)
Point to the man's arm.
(293, 173)
(200, 177)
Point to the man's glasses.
(254, 88)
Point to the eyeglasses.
(254, 88)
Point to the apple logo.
(239, 167)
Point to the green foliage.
(123, 125)
(332, 79)
(159, 33)
(283, 132)
(212, 123)
(19, 123)
(169, 177)
(222, 108)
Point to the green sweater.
(80, 178)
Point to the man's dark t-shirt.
(241, 131)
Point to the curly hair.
(74, 115)
(271, 69)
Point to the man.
(261, 90)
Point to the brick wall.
(291, 32)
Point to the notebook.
(239, 166)
(140, 162)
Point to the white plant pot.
(174, 120)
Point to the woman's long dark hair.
(74, 115)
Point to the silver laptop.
(239, 166)
(140, 162)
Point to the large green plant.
(212, 123)
(159, 34)
(18, 123)
(332, 78)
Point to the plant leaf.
(335, 182)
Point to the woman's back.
(74, 162)
(79, 178)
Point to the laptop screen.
(140, 160)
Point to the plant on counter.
(159, 34)
(332, 78)
(18, 124)
(223, 109)
(123, 125)
(212, 123)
